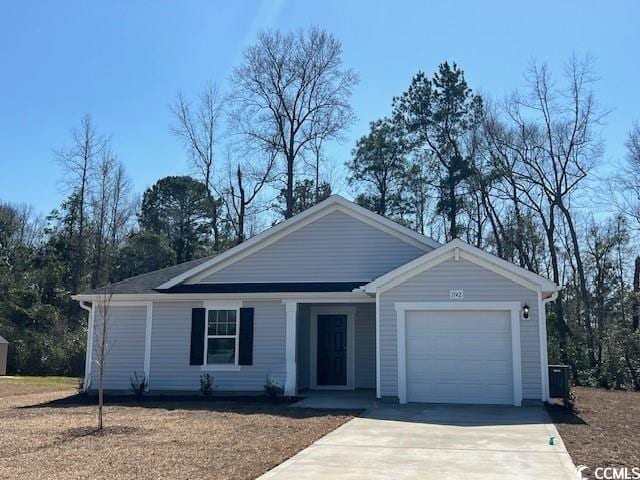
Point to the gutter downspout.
(89, 351)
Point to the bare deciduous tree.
(290, 92)
(624, 187)
(198, 128)
(562, 147)
(245, 182)
(78, 162)
(102, 344)
(110, 212)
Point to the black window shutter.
(197, 336)
(245, 355)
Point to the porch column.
(291, 307)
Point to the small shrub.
(273, 387)
(138, 384)
(206, 384)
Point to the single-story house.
(335, 298)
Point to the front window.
(222, 336)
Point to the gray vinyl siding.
(126, 327)
(170, 346)
(303, 346)
(479, 285)
(365, 345)
(334, 248)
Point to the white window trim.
(512, 307)
(350, 312)
(221, 367)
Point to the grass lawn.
(604, 430)
(22, 385)
(51, 435)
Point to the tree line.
(514, 176)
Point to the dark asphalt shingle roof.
(147, 282)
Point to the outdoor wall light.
(525, 311)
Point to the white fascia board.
(271, 235)
(475, 255)
(141, 299)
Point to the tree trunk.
(317, 192)
(214, 224)
(583, 283)
(479, 232)
(78, 267)
(289, 193)
(214, 211)
(635, 320)
(100, 399)
(241, 210)
(102, 364)
(622, 286)
(561, 325)
(453, 207)
(496, 227)
(383, 202)
(524, 262)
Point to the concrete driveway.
(436, 442)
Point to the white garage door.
(459, 357)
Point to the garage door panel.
(458, 393)
(480, 321)
(448, 372)
(473, 346)
(483, 345)
(459, 357)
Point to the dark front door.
(332, 350)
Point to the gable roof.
(456, 249)
(271, 235)
(3, 340)
(147, 282)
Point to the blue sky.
(124, 61)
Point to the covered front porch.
(331, 346)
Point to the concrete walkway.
(348, 399)
(436, 442)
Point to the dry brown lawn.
(51, 435)
(604, 430)
(10, 386)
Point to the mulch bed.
(604, 428)
(53, 436)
